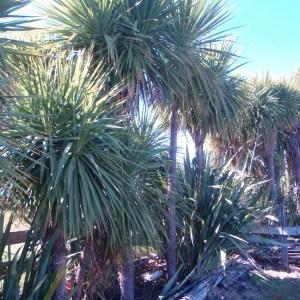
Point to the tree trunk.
(270, 158)
(296, 150)
(59, 262)
(199, 142)
(171, 248)
(126, 276)
(199, 160)
(84, 260)
(276, 201)
(297, 161)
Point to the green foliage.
(87, 166)
(216, 110)
(142, 41)
(27, 273)
(272, 106)
(67, 132)
(9, 21)
(4, 235)
(74, 155)
(214, 216)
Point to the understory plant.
(27, 273)
(214, 215)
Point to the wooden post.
(283, 240)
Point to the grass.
(276, 288)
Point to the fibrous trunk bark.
(59, 262)
(171, 248)
(199, 141)
(296, 151)
(199, 160)
(278, 202)
(126, 276)
(84, 260)
(297, 166)
(270, 159)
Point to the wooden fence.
(286, 235)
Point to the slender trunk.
(84, 260)
(296, 150)
(270, 158)
(271, 178)
(273, 197)
(126, 266)
(59, 261)
(290, 167)
(297, 165)
(126, 277)
(199, 141)
(199, 159)
(171, 248)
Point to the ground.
(265, 283)
(261, 285)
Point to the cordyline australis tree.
(154, 47)
(144, 144)
(131, 37)
(293, 140)
(64, 125)
(90, 171)
(192, 25)
(213, 112)
(218, 117)
(64, 122)
(272, 107)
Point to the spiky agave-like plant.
(227, 201)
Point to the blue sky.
(268, 34)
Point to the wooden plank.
(17, 237)
(277, 230)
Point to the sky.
(267, 35)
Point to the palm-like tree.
(273, 107)
(194, 28)
(87, 169)
(144, 145)
(64, 123)
(292, 137)
(220, 117)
